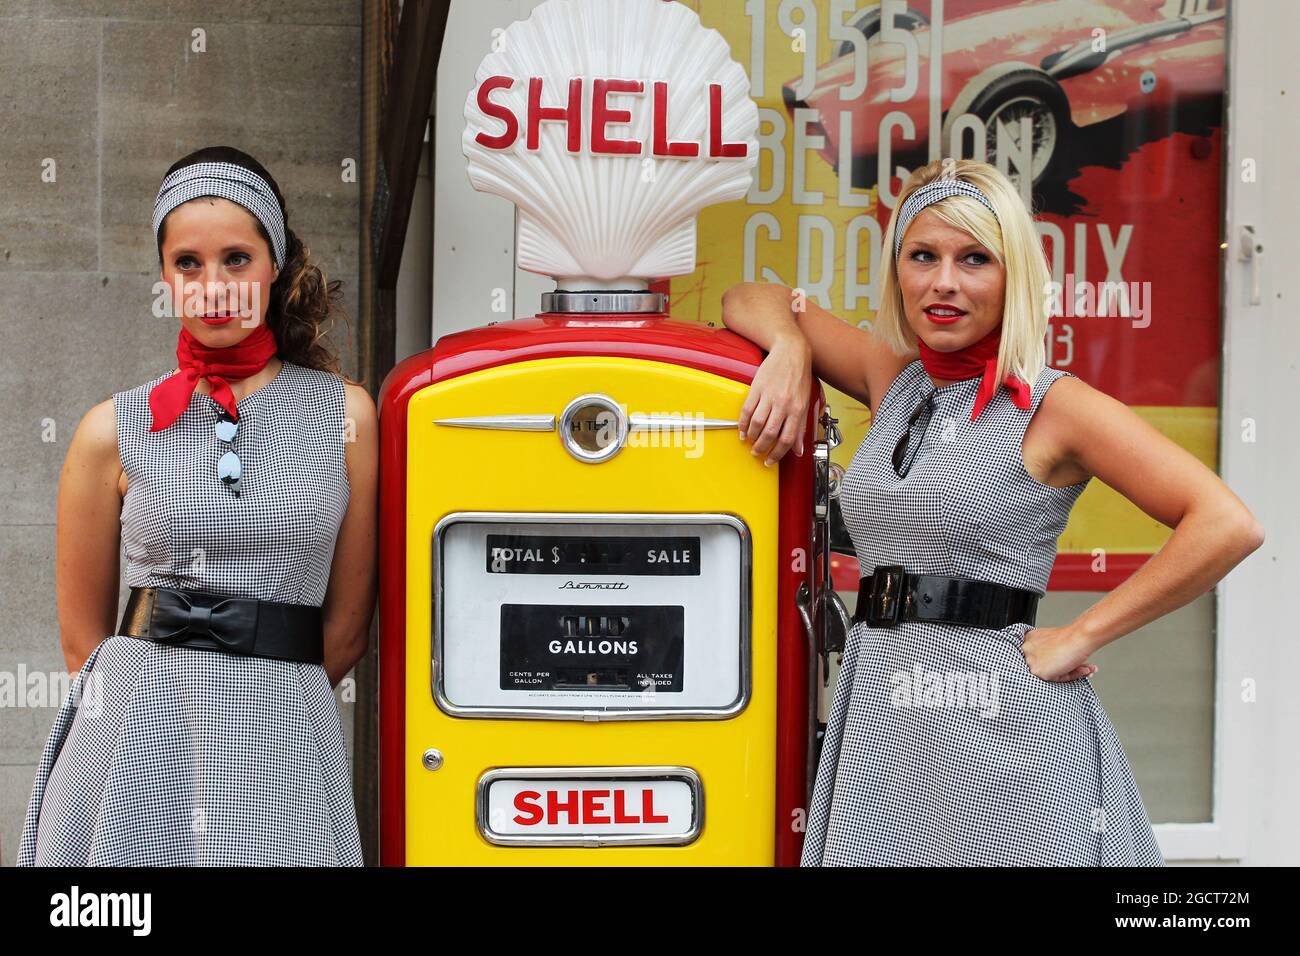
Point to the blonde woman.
(955, 501)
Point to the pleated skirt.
(942, 748)
(170, 755)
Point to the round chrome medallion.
(593, 428)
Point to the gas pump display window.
(591, 616)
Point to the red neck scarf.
(170, 397)
(979, 358)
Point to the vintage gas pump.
(601, 616)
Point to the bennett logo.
(586, 120)
(102, 909)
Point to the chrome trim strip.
(604, 713)
(546, 423)
(684, 774)
(677, 422)
(519, 423)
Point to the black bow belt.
(889, 595)
(292, 632)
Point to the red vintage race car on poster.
(1063, 64)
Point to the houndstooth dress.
(942, 747)
(165, 754)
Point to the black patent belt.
(889, 595)
(291, 632)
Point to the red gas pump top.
(552, 335)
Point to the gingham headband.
(229, 181)
(929, 193)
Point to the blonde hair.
(1014, 242)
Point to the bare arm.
(88, 536)
(1213, 530)
(843, 356)
(350, 597)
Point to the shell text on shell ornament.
(587, 122)
(610, 124)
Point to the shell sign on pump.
(596, 637)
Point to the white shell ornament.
(610, 124)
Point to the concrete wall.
(112, 93)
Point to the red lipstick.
(941, 314)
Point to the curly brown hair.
(302, 299)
